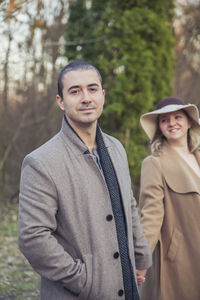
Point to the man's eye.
(163, 120)
(74, 91)
(93, 89)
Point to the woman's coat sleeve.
(151, 199)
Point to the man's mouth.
(86, 108)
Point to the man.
(78, 223)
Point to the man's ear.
(60, 102)
(104, 93)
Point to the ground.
(17, 279)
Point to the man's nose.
(85, 97)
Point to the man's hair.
(73, 66)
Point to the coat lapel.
(180, 177)
(120, 168)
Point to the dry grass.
(17, 279)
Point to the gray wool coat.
(66, 229)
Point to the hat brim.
(148, 121)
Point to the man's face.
(83, 98)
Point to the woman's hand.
(140, 274)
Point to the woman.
(170, 201)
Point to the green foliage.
(133, 46)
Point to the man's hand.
(140, 274)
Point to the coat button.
(109, 218)
(120, 293)
(116, 255)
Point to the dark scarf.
(130, 288)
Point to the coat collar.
(180, 177)
(69, 135)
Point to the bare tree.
(187, 32)
(28, 114)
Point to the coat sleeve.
(38, 205)
(143, 256)
(151, 200)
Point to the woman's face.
(174, 125)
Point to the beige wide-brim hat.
(170, 104)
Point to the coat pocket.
(87, 288)
(177, 237)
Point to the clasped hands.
(140, 274)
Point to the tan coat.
(170, 206)
(66, 225)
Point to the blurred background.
(145, 50)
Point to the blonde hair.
(193, 139)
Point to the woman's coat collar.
(180, 177)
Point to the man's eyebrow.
(78, 86)
(93, 84)
(73, 87)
